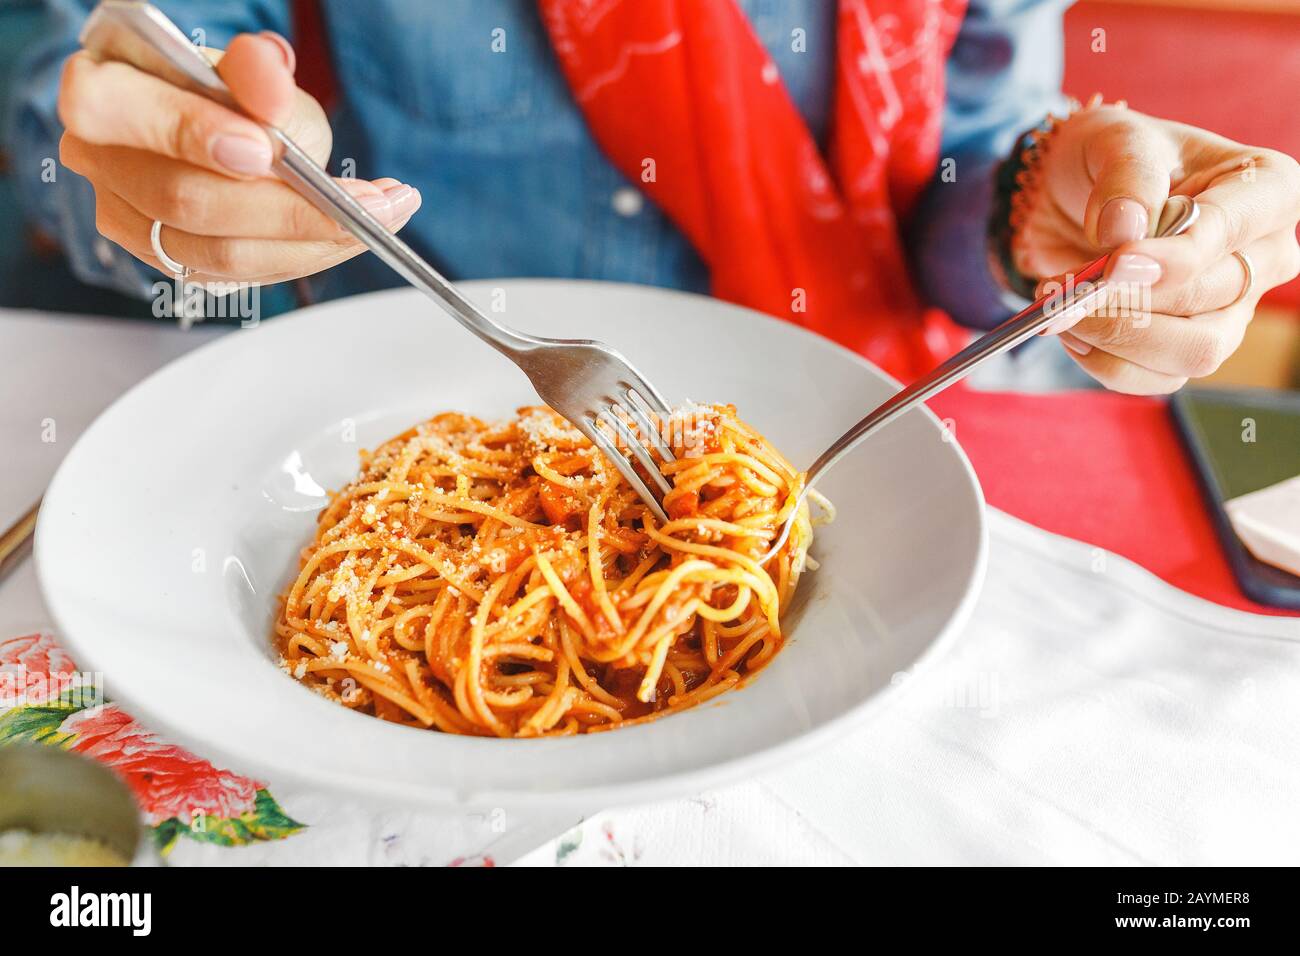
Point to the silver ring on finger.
(1250, 276)
(179, 270)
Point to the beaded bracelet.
(1015, 189)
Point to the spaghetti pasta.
(503, 579)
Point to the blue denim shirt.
(513, 184)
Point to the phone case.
(1261, 582)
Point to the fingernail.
(286, 48)
(1074, 344)
(239, 154)
(1121, 221)
(378, 206)
(1056, 328)
(390, 206)
(404, 198)
(1133, 267)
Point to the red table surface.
(1102, 468)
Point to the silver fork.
(1089, 289)
(587, 382)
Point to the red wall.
(1234, 72)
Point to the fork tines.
(635, 422)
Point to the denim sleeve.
(1004, 76)
(61, 203)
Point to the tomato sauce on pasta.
(503, 579)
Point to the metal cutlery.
(1088, 289)
(587, 382)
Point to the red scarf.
(684, 100)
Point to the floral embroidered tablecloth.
(199, 813)
(45, 699)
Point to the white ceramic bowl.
(177, 518)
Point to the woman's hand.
(153, 151)
(1103, 179)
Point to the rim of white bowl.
(653, 787)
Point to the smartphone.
(1240, 441)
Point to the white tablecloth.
(1088, 714)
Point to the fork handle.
(1016, 330)
(1090, 287)
(141, 35)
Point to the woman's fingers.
(1130, 161)
(1255, 194)
(258, 68)
(1275, 259)
(226, 258)
(157, 153)
(238, 258)
(1121, 375)
(209, 204)
(113, 104)
(1173, 345)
